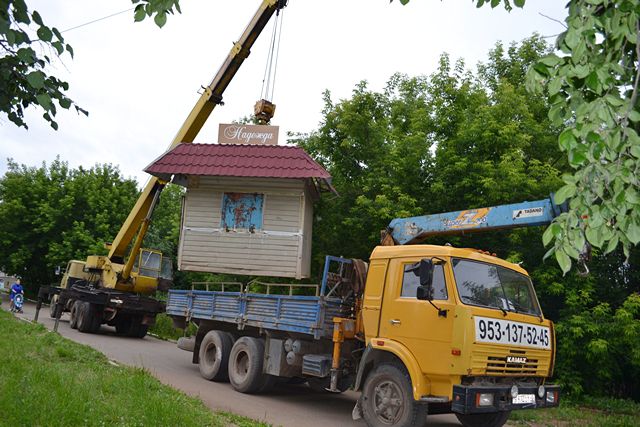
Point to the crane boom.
(526, 214)
(210, 97)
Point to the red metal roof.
(264, 161)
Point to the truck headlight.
(541, 391)
(514, 391)
(484, 399)
(551, 397)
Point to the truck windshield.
(489, 285)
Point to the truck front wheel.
(214, 356)
(387, 399)
(496, 419)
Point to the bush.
(165, 330)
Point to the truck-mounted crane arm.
(403, 231)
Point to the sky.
(139, 82)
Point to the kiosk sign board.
(247, 134)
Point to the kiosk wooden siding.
(281, 247)
(247, 209)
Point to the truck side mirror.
(425, 290)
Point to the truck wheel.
(214, 356)
(136, 328)
(387, 399)
(54, 307)
(122, 324)
(85, 318)
(496, 419)
(73, 323)
(245, 365)
(96, 317)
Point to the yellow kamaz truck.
(419, 329)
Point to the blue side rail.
(312, 315)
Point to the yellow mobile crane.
(115, 289)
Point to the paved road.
(285, 406)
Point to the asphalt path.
(286, 405)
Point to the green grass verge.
(588, 412)
(48, 380)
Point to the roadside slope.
(46, 379)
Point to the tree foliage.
(52, 214)
(28, 47)
(592, 83)
(456, 140)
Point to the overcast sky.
(140, 82)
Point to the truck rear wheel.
(85, 318)
(54, 307)
(136, 328)
(214, 356)
(387, 399)
(73, 323)
(131, 326)
(245, 366)
(496, 419)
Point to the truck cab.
(476, 339)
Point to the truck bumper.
(498, 398)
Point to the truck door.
(414, 323)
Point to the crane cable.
(271, 67)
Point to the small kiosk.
(248, 209)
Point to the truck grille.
(492, 360)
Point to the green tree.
(53, 214)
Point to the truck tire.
(134, 327)
(387, 399)
(122, 324)
(245, 365)
(73, 322)
(96, 317)
(85, 317)
(140, 331)
(496, 419)
(215, 349)
(54, 307)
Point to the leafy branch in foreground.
(27, 46)
(592, 84)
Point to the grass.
(587, 412)
(48, 380)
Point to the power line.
(98, 20)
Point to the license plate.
(524, 398)
(498, 331)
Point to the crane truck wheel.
(73, 323)
(245, 365)
(54, 308)
(85, 318)
(214, 356)
(387, 399)
(496, 419)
